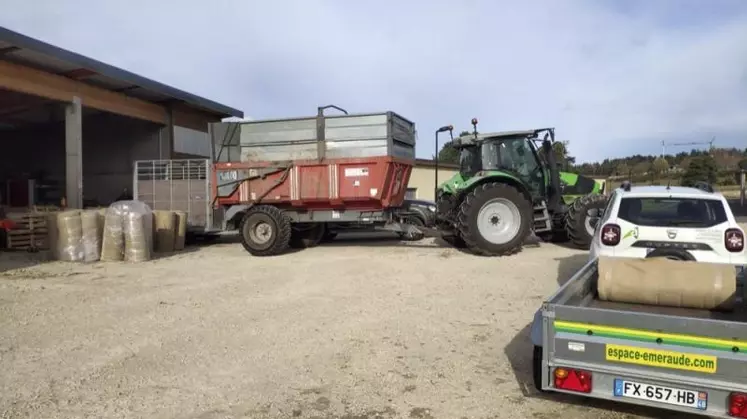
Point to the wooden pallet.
(30, 232)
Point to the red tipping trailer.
(292, 182)
(373, 183)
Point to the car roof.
(669, 192)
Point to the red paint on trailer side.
(353, 183)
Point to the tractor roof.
(470, 138)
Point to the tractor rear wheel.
(265, 231)
(579, 226)
(455, 240)
(494, 219)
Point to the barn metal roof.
(24, 50)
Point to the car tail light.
(573, 380)
(734, 240)
(738, 405)
(611, 234)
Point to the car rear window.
(671, 212)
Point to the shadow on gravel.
(519, 354)
(12, 260)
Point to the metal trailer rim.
(499, 221)
(261, 232)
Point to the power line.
(665, 144)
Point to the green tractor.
(509, 188)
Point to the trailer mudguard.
(535, 332)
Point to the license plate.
(661, 394)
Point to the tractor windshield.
(517, 155)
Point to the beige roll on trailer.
(660, 281)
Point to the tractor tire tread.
(466, 229)
(282, 228)
(575, 226)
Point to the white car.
(673, 222)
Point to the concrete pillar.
(74, 154)
(166, 137)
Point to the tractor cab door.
(517, 156)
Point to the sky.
(613, 77)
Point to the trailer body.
(687, 360)
(342, 171)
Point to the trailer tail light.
(738, 405)
(611, 234)
(734, 240)
(573, 380)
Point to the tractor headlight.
(432, 208)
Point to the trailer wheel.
(537, 368)
(265, 231)
(304, 237)
(329, 235)
(494, 219)
(416, 221)
(578, 224)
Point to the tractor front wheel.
(494, 219)
(578, 224)
(265, 231)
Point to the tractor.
(509, 187)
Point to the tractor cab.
(515, 154)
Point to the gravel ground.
(355, 330)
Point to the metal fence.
(176, 185)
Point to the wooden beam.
(79, 74)
(30, 81)
(8, 50)
(190, 118)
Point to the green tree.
(742, 164)
(702, 168)
(641, 168)
(448, 154)
(561, 154)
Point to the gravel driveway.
(355, 329)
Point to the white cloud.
(612, 82)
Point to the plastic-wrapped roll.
(53, 236)
(181, 230)
(91, 228)
(112, 243)
(69, 236)
(659, 281)
(164, 226)
(138, 237)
